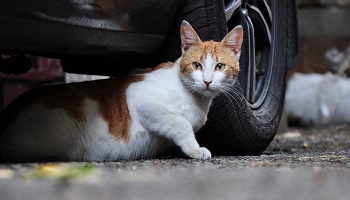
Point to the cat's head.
(209, 68)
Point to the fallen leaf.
(61, 171)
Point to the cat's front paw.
(199, 153)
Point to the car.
(111, 37)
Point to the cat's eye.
(220, 67)
(197, 66)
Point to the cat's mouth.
(210, 91)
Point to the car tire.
(239, 124)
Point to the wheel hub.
(256, 18)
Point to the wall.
(324, 24)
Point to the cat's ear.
(188, 36)
(233, 40)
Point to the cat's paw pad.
(200, 153)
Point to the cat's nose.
(207, 83)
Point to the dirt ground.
(299, 164)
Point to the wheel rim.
(256, 58)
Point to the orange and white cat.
(132, 117)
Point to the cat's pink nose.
(207, 83)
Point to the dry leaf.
(60, 171)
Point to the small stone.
(306, 145)
(6, 174)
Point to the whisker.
(228, 96)
(230, 89)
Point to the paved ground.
(304, 164)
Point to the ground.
(299, 164)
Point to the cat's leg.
(181, 132)
(175, 128)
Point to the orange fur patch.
(109, 94)
(113, 105)
(220, 53)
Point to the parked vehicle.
(110, 37)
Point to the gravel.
(300, 164)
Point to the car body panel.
(84, 27)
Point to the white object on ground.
(318, 99)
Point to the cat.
(131, 117)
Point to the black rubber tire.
(205, 16)
(234, 127)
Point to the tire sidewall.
(252, 129)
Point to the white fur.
(162, 109)
(41, 134)
(162, 105)
(216, 78)
(165, 106)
